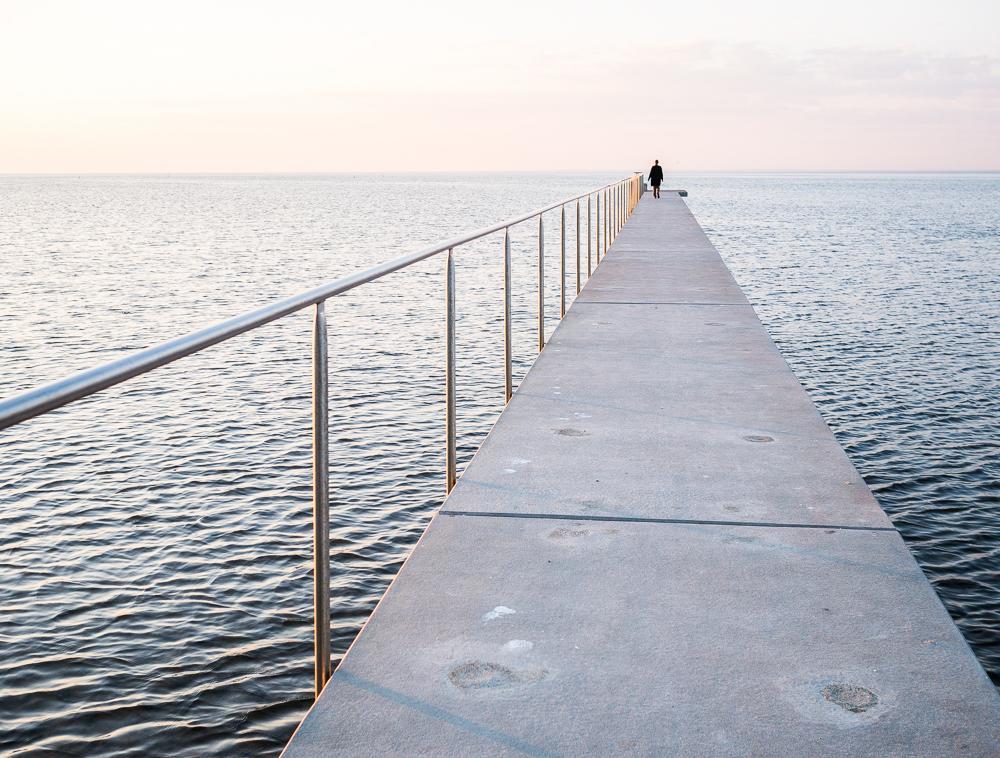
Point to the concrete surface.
(659, 550)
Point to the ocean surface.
(155, 540)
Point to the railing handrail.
(620, 197)
(48, 397)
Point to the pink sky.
(319, 86)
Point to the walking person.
(656, 177)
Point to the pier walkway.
(660, 549)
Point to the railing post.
(449, 373)
(562, 261)
(541, 284)
(607, 220)
(605, 233)
(590, 233)
(321, 500)
(597, 229)
(614, 213)
(508, 374)
(578, 246)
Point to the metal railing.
(618, 199)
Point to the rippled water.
(155, 582)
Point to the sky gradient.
(319, 86)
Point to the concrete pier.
(660, 549)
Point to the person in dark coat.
(656, 177)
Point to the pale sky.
(219, 86)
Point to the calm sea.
(155, 540)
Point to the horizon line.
(413, 172)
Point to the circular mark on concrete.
(850, 697)
(479, 675)
(570, 432)
(483, 675)
(758, 438)
(563, 533)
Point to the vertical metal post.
(321, 500)
(578, 247)
(590, 233)
(562, 261)
(611, 216)
(541, 284)
(614, 213)
(508, 374)
(449, 373)
(597, 229)
(607, 219)
(604, 232)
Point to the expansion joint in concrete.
(645, 520)
(658, 302)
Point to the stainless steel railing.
(619, 199)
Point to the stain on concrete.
(758, 438)
(568, 431)
(563, 533)
(500, 610)
(578, 531)
(850, 697)
(839, 700)
(519, 645)
(484, 675)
